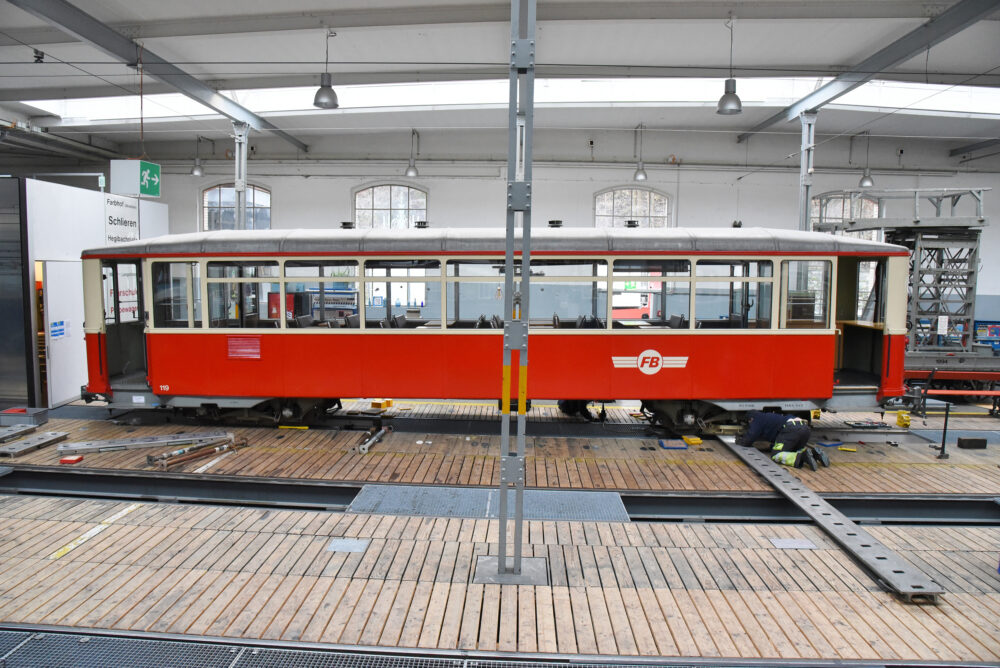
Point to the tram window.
(478, 268)
(108, 286)
(648, 302)
(807, 294)
(569, 268)
(735, 268)
(475, 304)
(402, 304)
(871, 288)
(174, 285)
(568, 305)
(318, 303)
(635, 268)
(416, 267)
(733, 305)
(244, 304)
(320, 269)
(128, 292)
(641, 298)
(243, 269)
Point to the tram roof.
(493, 240)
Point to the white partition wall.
(62, 222)
(66, 355)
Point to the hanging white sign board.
(121, 219)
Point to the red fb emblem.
(649, 362)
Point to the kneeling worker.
(787, 437)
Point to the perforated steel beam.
(951, 21)
(86, 28)
(890, 570)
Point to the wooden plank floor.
(677, 590)
(610, 463)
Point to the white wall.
(154, 219)
(63, 221)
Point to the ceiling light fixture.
(867, 181)
(197, 169)
(326, 98)
(640, 170)
(729, 103)
(411, 170)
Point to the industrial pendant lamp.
(197, 169)
(867, 181)
(411, 170)
(326, 98)
(640, 170)
(730, 103)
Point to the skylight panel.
(769, 92)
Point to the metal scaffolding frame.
(944, 260)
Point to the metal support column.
(517, 288)
(808, 120)
(240, 133)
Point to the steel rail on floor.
(164, 487)
(27, 644)
(683, 506)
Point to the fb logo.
(649, 362)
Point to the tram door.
(124, 324)
(861, 310)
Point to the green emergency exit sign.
(135, 178)
(149, 179)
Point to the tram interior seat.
(304, 321)
(481, 323)
(399, 321)
(677, 322)
(496, 321)
(353, 321)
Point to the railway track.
(699, 506)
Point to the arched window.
(612, 208)
(218, 205)
(389, 206)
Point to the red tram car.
(282, 323)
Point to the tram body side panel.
(721, 366)
(97, 370)
(469, 366)
(247, 364)
(892, 384)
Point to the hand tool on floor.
(152, 460)
(201, 453)
(373, 436)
